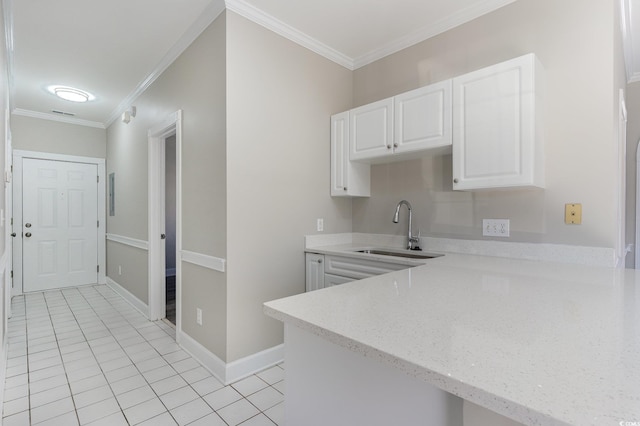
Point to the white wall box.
(422, 119)
(348, 179)
(497, 130)
(314, 271)
(371, 130)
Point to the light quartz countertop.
(539, 342)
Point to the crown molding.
(58, 118)
(432, 30)
(211, 12)
(7, 15)
(259, 17)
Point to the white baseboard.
(231, 372)
(252, 364)
(126, 295)
(209, 360)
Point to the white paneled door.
(60, 224)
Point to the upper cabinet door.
(423, 118)
(372, 130)
(348, 179)
(497, 136)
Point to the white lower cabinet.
(497, 132)
(331, 280)
(326, 271)
(314, 271)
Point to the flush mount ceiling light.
(70, 94)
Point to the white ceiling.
(116, 48)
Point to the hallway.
(85, 356)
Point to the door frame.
(18, 157)
(156, 140)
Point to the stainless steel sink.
(406, 254)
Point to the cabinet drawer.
(358, 268)
(331, 280)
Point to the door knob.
(163, 236)
(13, 234)
(28, 234)
(27, 225)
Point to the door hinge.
(98, 179)
(11, 221)
(98, 224)
(97, 268)
(11, 274)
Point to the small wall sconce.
(128, 115)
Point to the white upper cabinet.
(404, 126)
(497, 132)
(348, 179)
(372, 130)
(423, 118)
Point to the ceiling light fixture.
(70, 94)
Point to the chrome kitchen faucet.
(413, 240)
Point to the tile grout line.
(64, 367)
(89, 300)
(90, 348)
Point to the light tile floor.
(86, 356)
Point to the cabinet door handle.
(388, 146)
(395, 145)
(28, 234)
(319, 260)
(455, 180)
(345, 188)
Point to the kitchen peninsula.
(541, 343)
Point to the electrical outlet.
(495, 227)
(199, 316)
(320, 225)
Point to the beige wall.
(280, 97)
(255, 168)
(195, 83)
(574, 41)
(129, 267)
(35, 134)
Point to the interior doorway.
(165, 243)
(170, 228)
